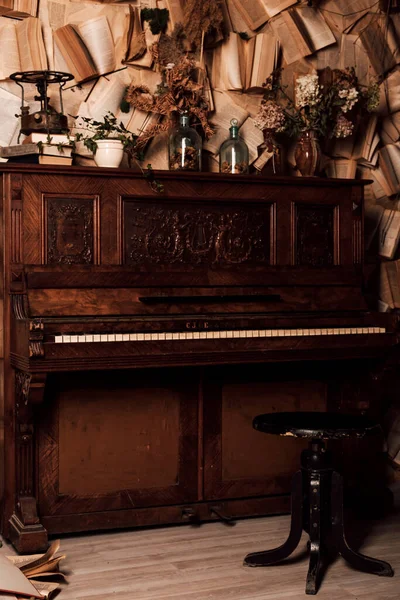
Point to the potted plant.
(107, 139)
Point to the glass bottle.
(234, 153)
(185, 146)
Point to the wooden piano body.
(144, 331)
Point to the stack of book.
(41, 148)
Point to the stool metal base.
(317, 507)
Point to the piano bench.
(317, 493)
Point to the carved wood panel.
(315, 235)
(71, 230)
(210, 235)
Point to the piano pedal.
(226, 519)
(190, 515)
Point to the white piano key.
(196, 335)
(161, 336)
(125, 337)
(217, 335)
(242, 333)
(382, 330)
(89, 338)
(255, 333)
(74, 339)
(58, 339)
(182, 335)
(97, 337)
(140, 337)
(66, 339)
(275, 333)
(81, 338)
(103, 337)
(111, 337)
(189, 335)
(133, 337)
(147, 337)
(222, 335)
(118, 337)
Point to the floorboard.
(205, 563)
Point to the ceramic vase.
(307, 153)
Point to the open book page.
(106, 95)
(226, 69)
(12, 580)
(145, 61)
(97, 36)
(372, 215)
(31, 562)
(265, 60)
(252, 136)
(366, 139)
(385, 292)
(390, 128)
(389, 233)
(326, 57)
(315, 26)
(294, 45)
(351, 10)
(47, 33)
(225, 111)
(341, 168)
(236, 20)
(389, 94)
(381, 45)
(389, 162)
(253, 12)
(9, 123)
(9, 56)
(394, 281)
(380, 185)
(274, 7)
(75, 53)
(249, 102)
(352, 54)
(32, 52)
(135, 45)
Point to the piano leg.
(269, 557)
(25, 530)
(355, 559)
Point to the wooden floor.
(205, 563)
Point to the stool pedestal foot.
(269, 557)
(355, 559)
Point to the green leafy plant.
(108, 128)
(111, 128)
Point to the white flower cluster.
(308, 91)
(343, 127)
(270, 116)
(350, 96)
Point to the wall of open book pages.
(95, 40)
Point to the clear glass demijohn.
(185, 147)
(234, 153)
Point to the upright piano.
(144, 330)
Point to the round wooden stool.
(317, 492)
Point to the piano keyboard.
(213, 335)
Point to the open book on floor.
(32, 572)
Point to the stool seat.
(317, 425)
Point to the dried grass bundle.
(180, 93)
(199, 18)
